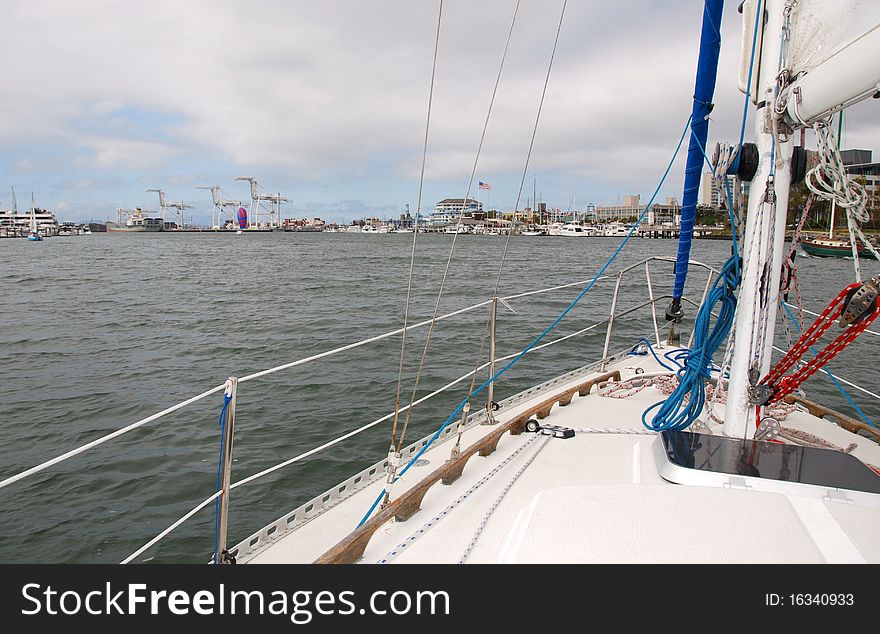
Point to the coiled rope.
(686, 403)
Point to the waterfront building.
(448, 211)
(668, 213)
(18, 223)
(858, 163)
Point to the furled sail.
(832, 57)
(821, 29)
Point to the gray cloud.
(326, 100)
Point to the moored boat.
(832, 248)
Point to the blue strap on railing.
(547, 331)
(704, 91)
(834, 380)
(222, 423)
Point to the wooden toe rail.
(847, 422)
(351, 549)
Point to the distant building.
(712, 193)
(855, 157)
(448, 210)
(659, 214)
(858, 163)
(19, 223)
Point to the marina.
(480, 388)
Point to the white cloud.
(312, 93)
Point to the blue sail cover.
(707, 70)
(242, 218)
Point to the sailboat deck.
(595, 497)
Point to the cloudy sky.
(325, 101)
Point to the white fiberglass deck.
(596, 497)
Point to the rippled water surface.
(100, 331)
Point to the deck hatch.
(794, 464)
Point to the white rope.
(615, 430)
(499, 499)
(829, 180)
(103, 439)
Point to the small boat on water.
(457, 228)
(833, 248)
(574, 229)
(534, 230)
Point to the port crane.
(164, 205)
(257, 197)
(220, 205)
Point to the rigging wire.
(412, 256)
(547, 330)
(455, 236)
(531, 147)
(521, 186)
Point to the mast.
(755, 320)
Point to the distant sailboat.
(35, 234)
(242, 220)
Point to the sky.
(325, 102)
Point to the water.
(99, 331)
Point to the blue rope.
(673, 413)
(547, 331)
(658, 359)
(862, 415)
(222, 423)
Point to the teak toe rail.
(849, 423)
(351, 549)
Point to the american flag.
(485, 185)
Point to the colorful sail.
(242, 218)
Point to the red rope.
(783, 385)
